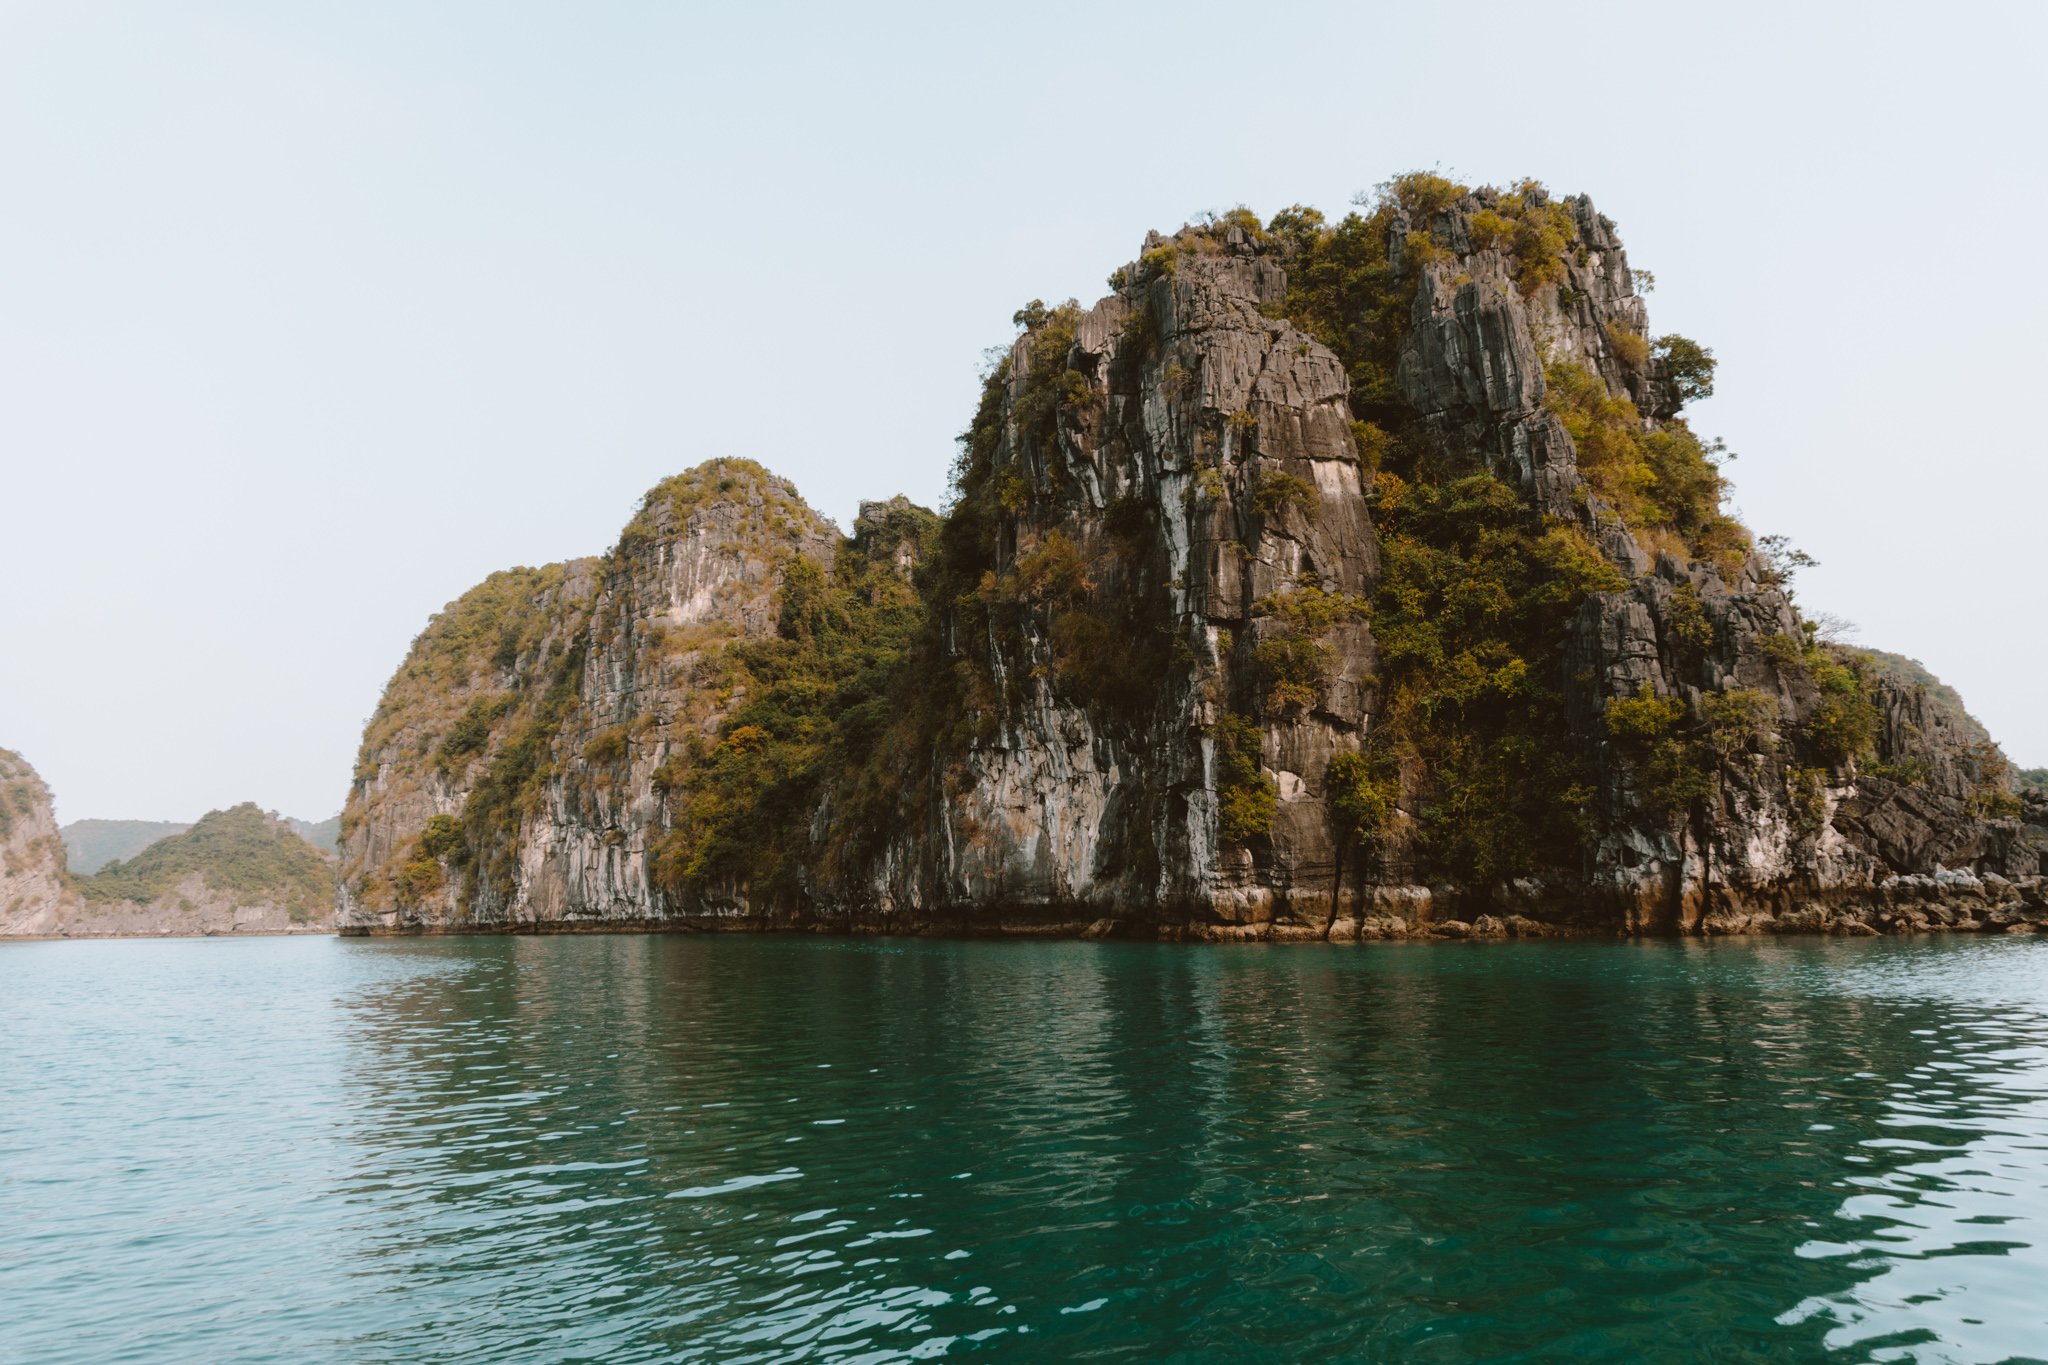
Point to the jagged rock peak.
(711, 543)
(731, 493)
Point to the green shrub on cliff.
(1536, 232)
(1664, 483)
(1842, 725)
(1806, 796)
(1687, 364)
(441, 837)
(1363, 791)
(1690, 625)
(1246, 798)
(1276, 493)
(470, 734)
(1344, 289)
(1644, 719)
(1050, 385)
(1293, 658)
(1632, 349)
(607, 747)
(1421, 194)
(416, 880)
(1680, 758)
(1990, 803)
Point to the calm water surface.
(745, 1149)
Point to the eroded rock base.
(1947, 903)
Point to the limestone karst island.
(1324, 580)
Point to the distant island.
(239, 870)
(1324, 580)
(90, 845)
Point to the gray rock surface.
(34, 892)
(631, 643)
(1078, 812)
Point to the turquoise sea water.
(774, 1149)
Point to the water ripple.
(672, 1149)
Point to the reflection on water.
(646, 1148)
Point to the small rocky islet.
(1324, 580)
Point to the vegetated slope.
(1324, 579)
(90, 845)
(240, 855)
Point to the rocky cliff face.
(510, 774)
(34, 892)
(1169, 483)
(1321, 580)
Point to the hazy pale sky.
(313, 315)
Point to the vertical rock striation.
(34, 892)
(1163, 477)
